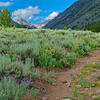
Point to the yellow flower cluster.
(43, 37)
(3, 30)
(61, 34)
(75, 81)
(80, 37)
(46, 50)
(77, 46)
(43, 54)
(50, 51)
(98, 82)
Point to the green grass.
(82, 84)
(23, 50)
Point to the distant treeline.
(95, 26)
(6, 20)
(20, 26)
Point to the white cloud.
(5, 4)
(52, 15)
(26, 13)
(30, 17)
(39, 17)
(36, 18)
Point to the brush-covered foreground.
(23, 52)
(87, 88)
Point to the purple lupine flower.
(73, 75)
(15, 81)
(26, 82)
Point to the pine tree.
(5, 17)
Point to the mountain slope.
(41, 25)
(24, 22)
(77, 16)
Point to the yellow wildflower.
(61, 34)
(50, 52)
(81, 70)
(46, 50)
(98, 82)
(43, 54)
(39, 56)
(93, 70)
(77, 46)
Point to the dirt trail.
(63, 78)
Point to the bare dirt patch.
(63, 86)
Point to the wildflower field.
(23, 52)
(87, 88)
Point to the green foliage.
(82, 83)
(65, 28)
(68, 98)
(23, 50)
(9, 90)
(75, 92)
(47, 77)
(35, 92)
(96, 98)
(86, 28)
(20, 26)
(94, 26)
(53, 48)
(46, 57)
(36, 74)
(5, 18)
(79, 15)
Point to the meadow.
(23, 52)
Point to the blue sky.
(35, 11)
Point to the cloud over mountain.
(52, 15)
(5, 4)
(27, 13)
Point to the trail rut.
(63, 78)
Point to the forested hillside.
(80, 14)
